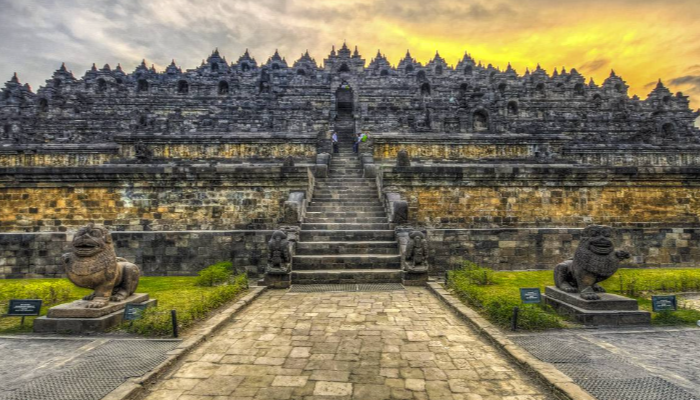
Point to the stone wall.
(35, 255)
(517, 249)
(437, 148)
(147, 197)
(492, 196)
(235, 147)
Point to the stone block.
(77, 309)
(604, 312)
(103, 323)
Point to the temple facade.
(220, 97)
(188, 168)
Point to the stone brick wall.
(35, 255)
(147, 198)
(517, 249)
(491, 196)
(434, 148)
(235, 147)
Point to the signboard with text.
(133, 312)
(531, 295)
(24, 308)
(664, 303)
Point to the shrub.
(156, 321)
(478, 275)
(52, 292)
(635, 282)
(215, 274)
(471, 285)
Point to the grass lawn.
(192, 302)
(496, 299)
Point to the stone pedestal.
(414, 278)
(278, 281)
(610, 310)
(74, 318)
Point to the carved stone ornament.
(279, 257)
(416, 256)
(93, 264)
(595, 260)
(144, 154)
(402, 159)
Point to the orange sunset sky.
(642, 40)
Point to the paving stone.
(217, 385)
(324, 388)
(417, 385)
(291, 381)
(314, 352)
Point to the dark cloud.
(688, 82)
(415, 11)
(595, 65)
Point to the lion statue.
(279, 257)
(93, 264)
(595, 260)
(416, 255)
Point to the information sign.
(664, 303)
(530, 295)
(133, 312)
(24, 308)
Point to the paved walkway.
(368, 345)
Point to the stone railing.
(369, 168)
(294, 208)
(323, 161)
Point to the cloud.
(594, 66)
(641, 39)
(690, 83)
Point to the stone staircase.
(345, 237)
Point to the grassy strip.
(494, 294)
(191, 301)
(51, 291)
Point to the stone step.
(355, 192)
(347, 186)
(345, 220)
(345, 261)
(346, 214)
(345, 174)
(344, 226)
(347, 235)
(343, 179)
(347, 276)
(330, 207)
(345, 193)
(365, 199)
(326, 248)
(346, 196)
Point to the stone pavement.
(367, 345)
(648, 363)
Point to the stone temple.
(188, 168)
